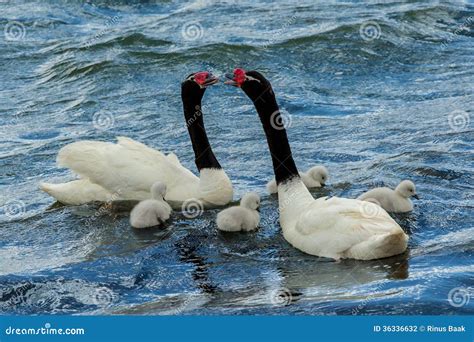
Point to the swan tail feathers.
(77, 192)
(379, 246)
(59, 192)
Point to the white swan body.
(244, 217)
(395, 201)
(126, 170)
(315, 177)
(151, 212)
(327, 227)
(336, 227)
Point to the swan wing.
(341, 227)
(77, 192)
(127, 168)
(173, 158)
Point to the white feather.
(243, 217)
(395, 201)
(127, 170)
(315, 177)
(151, 212)
(337, 227)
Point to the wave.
(462, 239)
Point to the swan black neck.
(283, 163)
(204, 157)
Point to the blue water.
(375, 103)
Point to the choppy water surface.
(377, 93)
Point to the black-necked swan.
(127, 169)
(315, 177)
(327, 227)
(394, 201)
(151, 212)
(244, 217)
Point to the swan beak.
(230, 80)
(258, 209)
(210, 80)
(416, 196)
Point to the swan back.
(348, 228)
(337, 227)
(128, 168)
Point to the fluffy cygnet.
(151, 212)
(244, 217)
(315, 177)
(395, 201)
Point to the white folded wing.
(125, 170)
(347, 228)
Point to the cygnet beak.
(416, 196)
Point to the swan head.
(250, 200)
(196, 83)
(319, 173)
(407, 189)
(253, 83)
(158, 191)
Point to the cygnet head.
(250, 200)
(158, 190)
(319, 173)
(407, 189)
